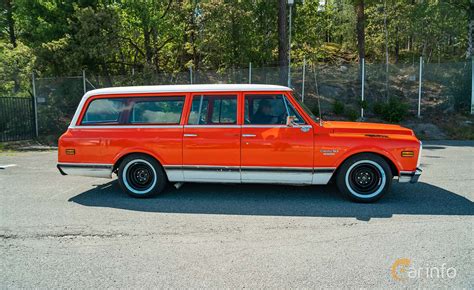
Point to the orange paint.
(237, 144)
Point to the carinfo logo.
(403, 269)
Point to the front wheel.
(141, 176)
(364, 178)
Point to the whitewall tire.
(364, 177)
(141, 176)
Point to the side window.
(213, 110)
(104, 111)
(269, 109)
(160, 110)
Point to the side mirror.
(290, 121)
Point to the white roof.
(186, 88)
(175, 89)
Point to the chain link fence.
(336, 89)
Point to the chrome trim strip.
(211, 168)
(86, 169)
(85, 165)
(127, 127)
(418, 161)
(211, 126)
(277, 169)
(409, 176)
(249, 174)
(322, 178)
(266, 126)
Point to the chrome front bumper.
(410, 176)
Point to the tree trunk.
(470, 51)
(360, 28)
(12, 37)
(11, 23)
(147, 44)
(397, 46)
(282, 40)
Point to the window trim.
(286, 99)
(133, 100)
(124, 115)
(119, 120)
(225, 95)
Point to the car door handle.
(190, 135)
(248, 135)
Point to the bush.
(338, 107)
(315, 109)
(352, 115)
(394, 111)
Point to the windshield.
(297, 98)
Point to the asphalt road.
(63, 231)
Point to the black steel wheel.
(141, 176)
(364, 177)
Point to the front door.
(211, 139)
(272, 151)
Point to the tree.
(282, 39)
(359, 6)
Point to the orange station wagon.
(151, 136)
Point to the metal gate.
(17, 118)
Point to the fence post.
(304, 74)
(419, 87)
(84, 80)
(35, 104)
(191, 74)
(250, 72)
(472, 85)
(362, 89)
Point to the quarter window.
(102, 111)
(213, 110)
(163, 110)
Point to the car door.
(273, 152)
(211, 139)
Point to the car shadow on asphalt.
(281, 200)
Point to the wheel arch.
(119, 159)
(393, 167)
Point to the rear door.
(211, 139)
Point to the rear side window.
(163, 110)
(104, 111)
(213, 110)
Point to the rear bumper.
(410, 176)
(86, 169)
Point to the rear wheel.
(141, 176)
(364, 178)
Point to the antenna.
(317, 94)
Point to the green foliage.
(315, 109)
(338, 107)
(352, 114)
(460, 88)
(114, 37)
(394, 111)
(15, 69)
(363, 104)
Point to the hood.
(366, 128)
